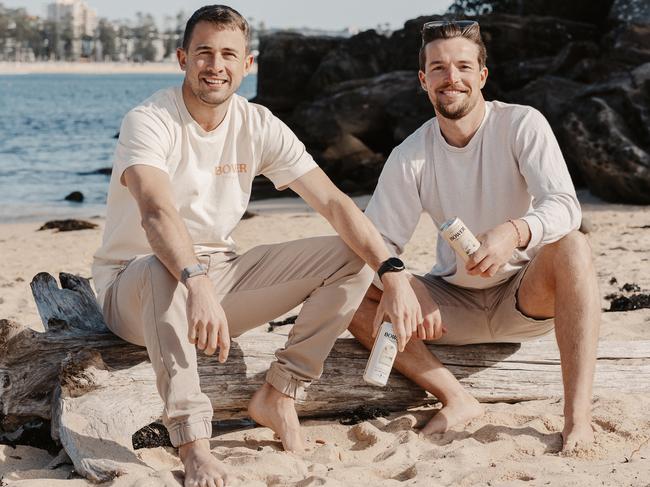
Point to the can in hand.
(459, 237)
(382, 356)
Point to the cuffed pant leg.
(147, 306)
(323, 273)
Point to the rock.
(362, 56)
(630, 303)
(151, 436)
(368, 112)
(569, 61)
(351, 101)
(263, 188)
(76, 196)
(286, 64)
(68, 225)
(609, 132)
(106, 171)
(117, 135)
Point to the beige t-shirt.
(211, 173)
(511, 168)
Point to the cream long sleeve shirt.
(511, 168)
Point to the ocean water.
(53, 127)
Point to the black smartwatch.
(390, 265)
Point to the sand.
(513, 444)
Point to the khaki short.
(484, 315)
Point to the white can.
(459, 237)
(382, 356)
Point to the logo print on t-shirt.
(225, 169)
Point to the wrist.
(194, 283)
(392, 265)
(394, 279)
(516, 233)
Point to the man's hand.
(497, 247)
(398, 303)
(431, 327)
(206, 319)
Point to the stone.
(287, 62)
(76, 196)
(608, 127)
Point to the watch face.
(395, 263)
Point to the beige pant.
(146, 305)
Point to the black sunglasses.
(436, 24)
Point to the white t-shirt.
(211, 173)
(511, 168)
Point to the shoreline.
(55, 67)
(59, 67)
(278, 205)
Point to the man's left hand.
(497, 247)
(400, 306)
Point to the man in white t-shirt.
(167, 275)
(499, 169)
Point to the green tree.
(145, 32)
(107, 36)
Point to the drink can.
(382, 356)
(459, 237)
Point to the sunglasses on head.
(436, 24)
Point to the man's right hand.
(206, 319)
(431, 327)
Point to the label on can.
(459, 237)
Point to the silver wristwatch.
(193, 271)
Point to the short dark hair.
(222, 17)
(449, 31)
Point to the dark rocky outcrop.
(583, 64)
(75, 196)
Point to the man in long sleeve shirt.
(498, 168)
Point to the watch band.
(193, 271)
(392, 264)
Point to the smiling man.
(167, 274)
(498, 167)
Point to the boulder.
(362, 56)
(608, 127)
(286, 64)
(369, 111)
(351, 101)
(76, 196)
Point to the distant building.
(79, 21)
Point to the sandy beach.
(511, 445)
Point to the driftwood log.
(98, 390)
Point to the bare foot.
(201, 468)
(458, 410)
(272, 409)
(577, 435)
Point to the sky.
(322, 14)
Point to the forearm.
(357, 231)
(169, 239)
